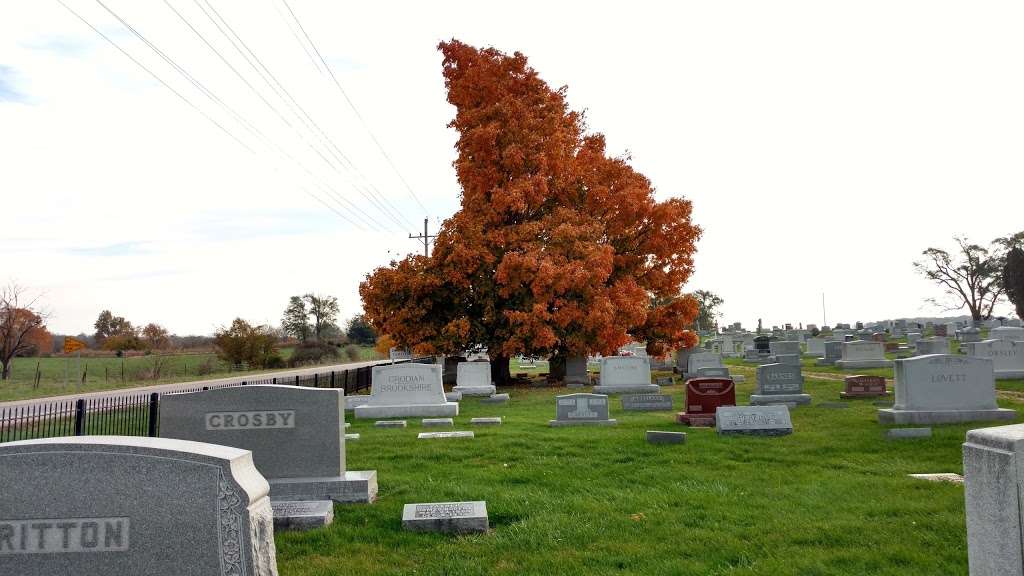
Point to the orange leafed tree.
(558, 249)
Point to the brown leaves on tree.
(557, 248)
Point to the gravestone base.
(354, 487)
(453, 396)
(768, 399)
(858, 364)
(894, 416)
(855, 395)
(475, 390)
(630, 389)
(496, 399)
(1009, 374)
(302, 515)
(561, 423)
(417, 410)
(696, 420)
(824, 362)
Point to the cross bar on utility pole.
(425, 237)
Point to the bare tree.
(972, 277)
(20, 315)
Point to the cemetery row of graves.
(749, 455)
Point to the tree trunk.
(500, 371)
(556, 368)
(5, 370)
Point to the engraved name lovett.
(58, 535)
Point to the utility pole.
(425, 237)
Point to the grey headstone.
(944, 388)
(1007, 357)
(713, 372)
(453, 396)
(474, 379)
(296, 435)
(351, 437)
(625, 374)
(486, 421)
(496, 399)
(448, 517)
(993, 481)
(663, 380)
(390, 424)
(753, 420)
(438, 422)
(433, 435)
(576, 371)
(407, 390)
(779, 383)
(581, 410)
(302, 515)
(659, 437)
(863, 354)
(902, 433)
(646, 402)
(132, 505)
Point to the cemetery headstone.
(296, 436)
(474, 379)
(815, 347)
(754, 420)
(646, 402)
(993, 483)
(862, 354)
(406, 390)
(788, 359)
(713, 372)
(934, 345)
(447, 517)
(702, 360)
(1007, 357)
(132, 505)
(576, 374)
(944, 388)
(302, 515)
(1008, 333)
(784, 347)
(968, 335)
(660, 437)
(864, 387)
(833, 352)
(626, 375)
(703, 397)
(581, 410)
(779, 383)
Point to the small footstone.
(438, 423)
(900, 433)
(429, 435)
(351, 437)
(390, 424)
(944, 477)
(739, 378)
(833, 405)
(495, 421)
(658, 437)
(347, 424)
(453, 396)
(302, 515)
(448, 517)
(495, 399)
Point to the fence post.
(206, 387)
(332, 378)
(274, 380)
(316, 380)
(80, 417)
(154, 413)
(296, 379)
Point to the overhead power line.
(192, 104)
(352, 105)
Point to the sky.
(824, 145)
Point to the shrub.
(312, 353)
(352, 352)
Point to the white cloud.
(824, 145)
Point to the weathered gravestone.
(581, 410)
(934, 345)
(788, 359)
(395, 354)
(625, 375)
(1007, 357)
(474, 379)
(703, 397)
(296, 436)
(448, 517)
(406, 390)
(779, 383)
(106, 505)
(815, 347)
(712, 372)
(646, 402)
(1009, 333)
(863, 354)
(833, 352)
(913, 337)
(302, 515)
(784, 347)
(576, 374)
(702, 360)
(864, 387)
(993, 484)
(968, 335)
(754, 420)
(944, 388)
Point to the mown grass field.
(833, 498)
(105, 373)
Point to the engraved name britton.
(250, 420)
(60, 535)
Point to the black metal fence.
(139, 414)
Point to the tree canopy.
(557, 249)
(971, 277)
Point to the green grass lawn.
(105, 373)
(832, 498)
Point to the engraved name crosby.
(60, 535)
(250, 420)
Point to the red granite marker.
(703, 397)
(864, 387)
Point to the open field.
(831, 499)
(105, 373)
